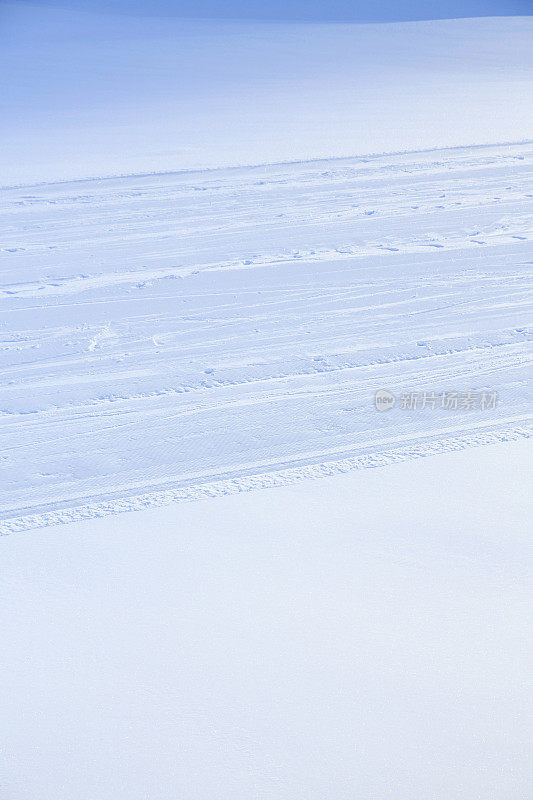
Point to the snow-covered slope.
(164, 333)
(364, 636)
(302, 10)
(218, 333)
(93, 94)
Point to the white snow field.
(342, 611)
(168, 336)
(87, 94)
(367, 635)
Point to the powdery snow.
(198, 330)
(93, 94)
(356, 636)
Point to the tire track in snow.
(258, 312)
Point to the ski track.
(167, 337)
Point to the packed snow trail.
(166, 332)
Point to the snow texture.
(164, 333)
(87, 94)
(366, 635)
(219, 240)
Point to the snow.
(170, 336)
(362, 635)
(230, 575)
(87, 94)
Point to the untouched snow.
(172, 336)
(366, 635)
(95, 94)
